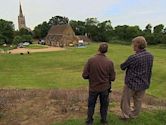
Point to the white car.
(26, 44)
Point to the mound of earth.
(44, 107)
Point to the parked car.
(26, 44)
(23, 44)
(42, 42)
(20, 45)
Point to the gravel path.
(25, 50)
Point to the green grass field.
(146, 118)
(63, 69)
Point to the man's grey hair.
(140, 41)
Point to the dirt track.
(25, 50)
(43, 107)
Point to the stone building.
(61, 36)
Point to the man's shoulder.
(150, 54)
(109, 60)
(132, 56)
(146, 53)
(92, 58)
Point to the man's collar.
(101, 54)
(142, 50)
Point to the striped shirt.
(138, 70)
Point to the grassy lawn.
(145, 118)
(63, 69)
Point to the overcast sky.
(120, 12)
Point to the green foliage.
(105, 31)
(163, 41)
(120, 32)
(17, 40)
(41, 30)
(22, 35)
(27, 38)
(127, 32)
(58, 20)
(159, 29)
(23, 38)
(6, 31)
(150, 38)
(23, 31)
(2, 39)
(78, 27)
(93, 28)
(148, 29)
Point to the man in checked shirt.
(138, 69)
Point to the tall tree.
(105, 31)
(159, 28)
(91, 21)
(78, 27)
(148, 28)
(158, 34)
(164, 31)
(23, 31)
(126, 32)
(91, 28)
(58, 20)
(41, 30)
(133, 31)
(120, 32)
(6, 31)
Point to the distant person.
(138, 75)
(99, 70)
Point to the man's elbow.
(122, 67)
(85, 76)
(112, 79)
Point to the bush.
(27, 38)
(17, 40)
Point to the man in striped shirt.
(138, 69)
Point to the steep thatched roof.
(58, 29)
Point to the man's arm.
(112, 72)
(85, 73)
(127, 63)
(151, 66)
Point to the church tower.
(21, 19)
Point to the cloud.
(139, 13)
(120, 12)
(42, 10)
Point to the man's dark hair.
(103, 48)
